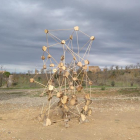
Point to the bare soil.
(114, 117)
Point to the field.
(116, 116)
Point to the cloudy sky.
(114, 23)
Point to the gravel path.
(30, 97)
(23, 97)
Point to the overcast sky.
(114, 23)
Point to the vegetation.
(114, 76)
(130, 91)
(6, 74)
(112, 83)
(102, 88)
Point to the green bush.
(112, 83)
(102, 88)
(15, 83)
(6, 74)
(39, 78)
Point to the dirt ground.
(114, 117)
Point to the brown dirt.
(112, 119)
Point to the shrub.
(39, 78)
(6, 74)
(112, 83)
(83, 83)
(132, 84)
(15, 83)
(102, 88)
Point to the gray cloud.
(115, 25)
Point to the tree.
(6, 74)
